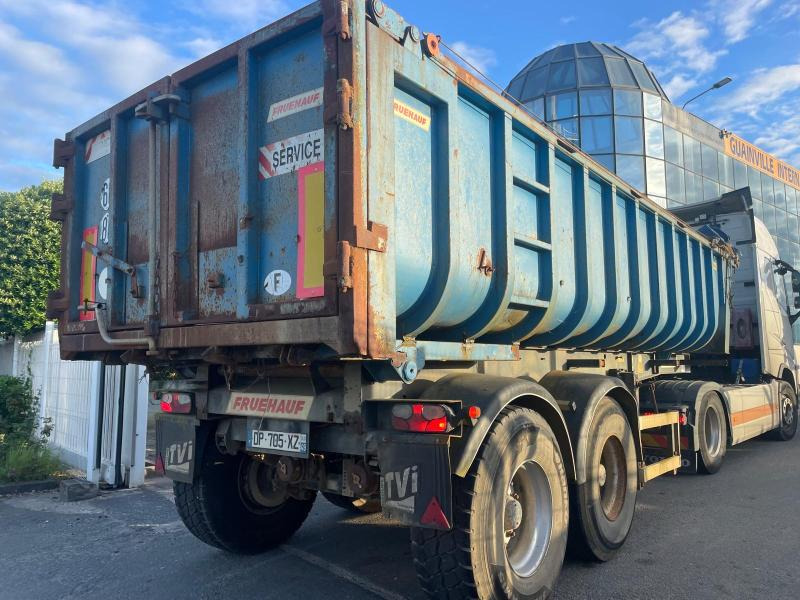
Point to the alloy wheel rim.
(527, 518)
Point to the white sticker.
(295, 104)
(102, 284)
(278, 282)
(105, 202)
(290, 154)
(98, 147)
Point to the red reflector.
(474, 412)
(166, 406)
(434, 515)
(682, 419)
(159, 464)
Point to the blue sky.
(63, 61)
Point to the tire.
(788, 403)
(358, 506)
(712, 432)
(476, 559)
(222, 510)
(603, 506)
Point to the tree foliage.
(29, 257)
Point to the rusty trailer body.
(345, 184)
(354, 268)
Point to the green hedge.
(30, 244)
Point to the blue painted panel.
(284, 71)
(414, 184)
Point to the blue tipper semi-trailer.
(354, 268)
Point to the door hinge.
(343, 20)
(60, 207)
(345, 266)
(344, 94)
(338, 23)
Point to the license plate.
(282, 441)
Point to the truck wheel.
(788, 426)
(511, 518)
(356, 505)
(604, 504)
(712, 433)
(234, 505)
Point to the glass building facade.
(611, 105)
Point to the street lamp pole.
(716, 86)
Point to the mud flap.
(180, 440)
(416, 487)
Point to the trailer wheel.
(511, 518)
(604, 504)
(712, 433)
(788, 426)
(356, 505)
(233, 504)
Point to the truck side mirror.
(797, 301)
(796, 282)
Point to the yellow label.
(314, 230)
(404, 111)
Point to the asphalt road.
(732, 535)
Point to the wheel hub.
(513, 515)
(527, 518)
(788, 411)
(259, 486)
(612, 478)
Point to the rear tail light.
(173, 402)
(421, 418)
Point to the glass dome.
(582, 65)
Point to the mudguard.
(582, 392)
(180, 442)
(492, 394)
(415, 481)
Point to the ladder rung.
(658, 420)
(654, 470)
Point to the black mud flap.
(416, 487)
(180, 440)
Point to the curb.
(23, 487)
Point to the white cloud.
(255, 13)
(762, 90)
(739, 16)
(677, 40)
(57, 72)
(678, 85)
(482, 59)
(202, 46)
(568, 19)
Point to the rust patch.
(484, 262)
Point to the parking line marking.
(343, 573)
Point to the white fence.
(70, 395)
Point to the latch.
(63, 152)
(162, 108)
(372, 237)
